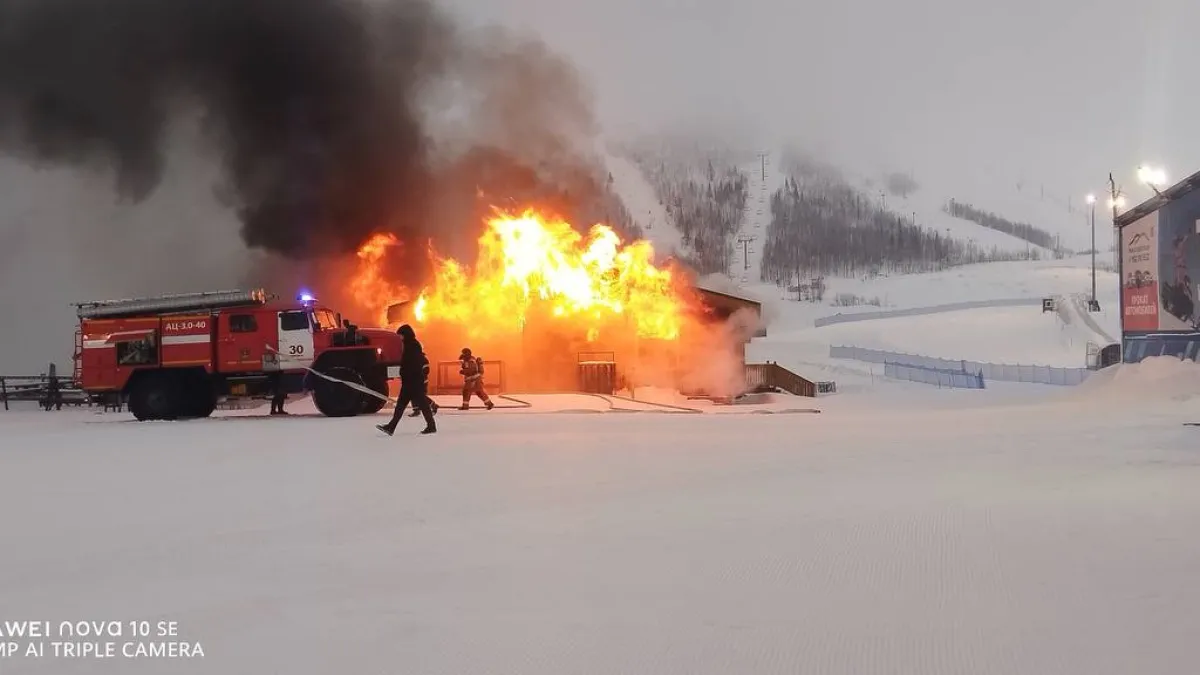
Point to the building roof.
(728, 297)
(725, 305)
(1164, 197)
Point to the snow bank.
(1157, 378)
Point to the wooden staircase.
(772, 375)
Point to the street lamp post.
(1116, 201)
(1153, 177)
(1091, 200)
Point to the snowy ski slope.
(1051, 208)
(925, 207)
(764, 178)
(643, 205)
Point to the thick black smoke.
(312, 104)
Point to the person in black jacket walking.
(433, 406)
(412, 384)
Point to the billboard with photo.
(1139, 287)
(1160, 285)
(1179, 264)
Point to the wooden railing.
(772, 375)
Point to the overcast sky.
(1061, 91)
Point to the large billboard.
(1160, 259)
(1139, 288)
(1179, 264)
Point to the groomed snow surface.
(912, 530)
(1023, 335)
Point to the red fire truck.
(175, 356)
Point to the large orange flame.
(530, 264)
(542, 296)
(370, 286)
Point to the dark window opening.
(243, 323)
(137, 352)
(293, 321)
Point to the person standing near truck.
(278, 394)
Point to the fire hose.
(353, 385)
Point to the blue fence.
(921, 311)
(996, 372)
(955, 379)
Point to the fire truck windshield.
(324, 319)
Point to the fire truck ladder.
(170, 304)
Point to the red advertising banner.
(1141, 307)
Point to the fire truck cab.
(176, 356)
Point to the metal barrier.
(951, 379)
(998, 372)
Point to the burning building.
(552, 309)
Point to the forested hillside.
(705, 196)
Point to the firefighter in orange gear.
(472, 372)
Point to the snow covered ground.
(991, 281)
(906, 531)
(999, 335)
(1013, 335)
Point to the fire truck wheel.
(203, 404)
(335, 399)
(378, 382)
(198, 398)
(155, 397)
